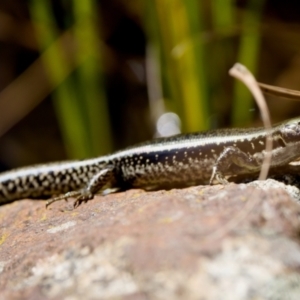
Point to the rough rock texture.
(219, 242)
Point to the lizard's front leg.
(234, 156)
(104, 178)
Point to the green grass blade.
(180, 29)
(221, 57)
(248, 55)
(198, 107)
(222, 14)
(91, 87)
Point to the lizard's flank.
(182, 160)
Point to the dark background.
(36, 137)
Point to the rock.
(239, 241)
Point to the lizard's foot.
(81, 196)
(217, 175)
(105, 177)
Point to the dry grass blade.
(279, 92)
(240, 72)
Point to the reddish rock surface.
(196, 243)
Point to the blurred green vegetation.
(79, 96)
(175, 28)
(196, 43)
(197, 49)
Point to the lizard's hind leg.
(103, 179)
